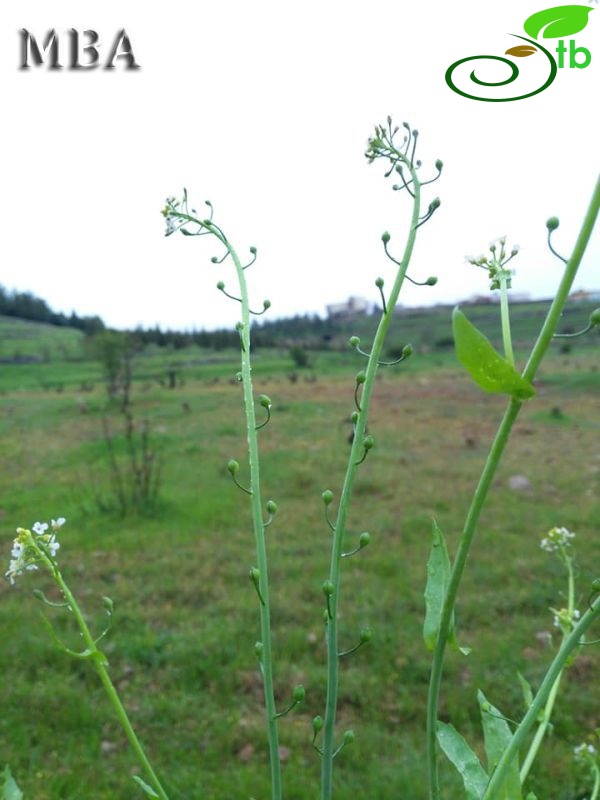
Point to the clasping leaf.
(486, 366)
(464, 759)
(497, 736)
(557, 22)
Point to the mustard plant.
(505, 740)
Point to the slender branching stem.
(355, 457)
(99, 662)
(569, 644)
(489, 470)
(505, 317)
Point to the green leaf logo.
(557, 22)
(487, 367)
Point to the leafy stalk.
(356, 454)
(489, 470)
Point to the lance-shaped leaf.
(438, 578)
(486, 366)
(464, 759)
(10, 790)
(148, 790)
(557, 22)
(497, 736)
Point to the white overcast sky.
(264, 107)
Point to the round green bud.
(317, 724)
(299, 693)
(595, 317)
(486, 706)
(435, 203)
(366, 634)
(349, 735)
(385, 237)
(258, 649)
(431, 281)
(253, 250)
(271, 507)
(368, 442)
(364, 539)
(379, 283)
(438, 165)
(354, 341)
(214, 260)
(407, 351)
(233, 466)
(327, 588)
(327, 496)
(354, 417)
(239, 376)
(220, 285)
(552, 223)
(254, 575)
(266, 304)
(515, 250)
(361, 376)
(265, 401)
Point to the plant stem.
(356, 454)
(489, 470)
(505, 317)
(259, 533)
(567, 647)
(99, 664)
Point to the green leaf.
(497, 736)
(557, 22)
(147, 789)
(531, 796)
(526, 690)
(464, 759)
(487, 367)
(438, 578)
(10, 790)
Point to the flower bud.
(327, 496)
(214, 260)
(364, 539)
(354, 417)
(266, 304)
(349, 735)
(366, 634)
(327, 588)
(379, 283)
(368, 442)
(435, 203)
(239, 326)
(552, 224)
(361, 376)
(265, 401)
(220, 284)
(253, 250)
(407, 351)
(232, 466)
(299, 693)
(354, 341)
(258, 649)
(595, 317)
(271, 506)
(385, 237)
(317, 724)
(438, 165)
(431, 281)
(254, 575)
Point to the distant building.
(353, 307)
(584, 296)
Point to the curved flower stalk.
(179, 217)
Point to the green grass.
(182, 649)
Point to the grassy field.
(182, 649)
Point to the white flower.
(55, 524)
(40, 528)
(584, 750)
(17, 550)
(53, 546)
(556, 539)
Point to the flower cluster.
(565, 619)
(583, 752)
(495, 265)
(28, 549)
(557, 539)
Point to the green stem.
(596, 789)
(99, 664)
(340, 525)
(505, 317)
(548, 708)
(259, 533)
(489, 470)
(569, 644)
